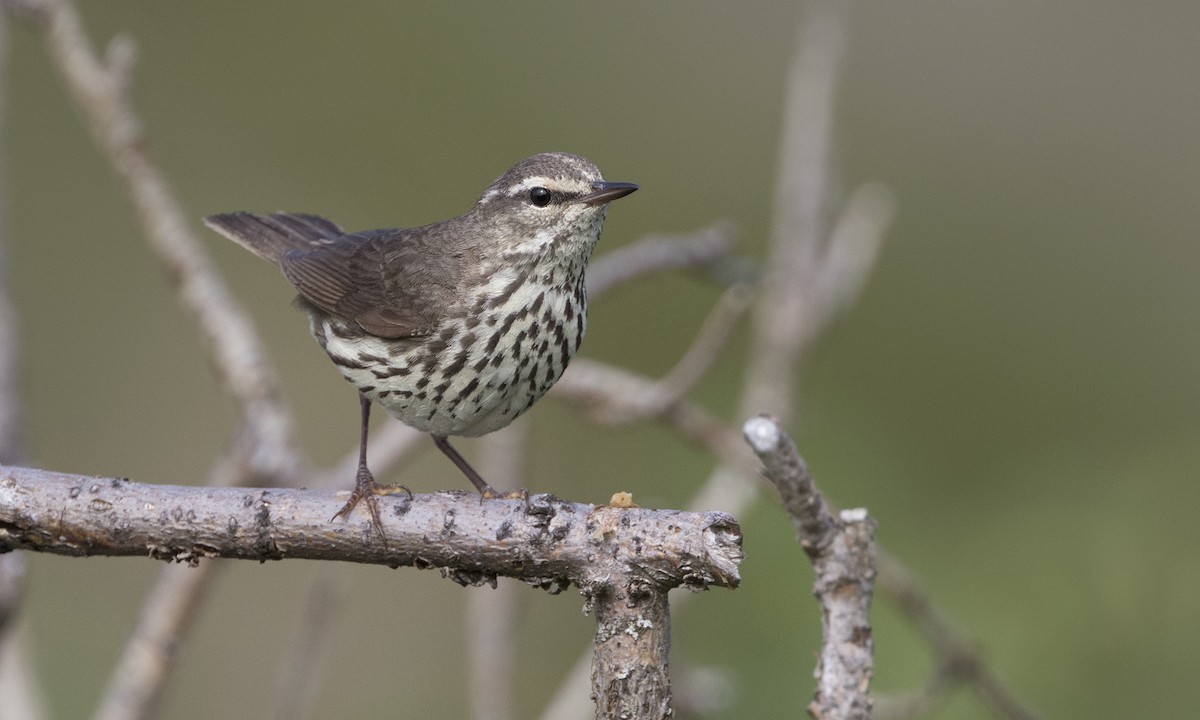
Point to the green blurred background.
(1015, 398)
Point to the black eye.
(539, 196)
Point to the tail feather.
(270, 236)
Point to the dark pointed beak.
(604, 192)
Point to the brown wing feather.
(270, 236)
(393, 283)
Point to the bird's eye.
(539, 196)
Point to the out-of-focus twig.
(492, 615)
(959, 662)
(20, 696)
(691, 366)
(657, 253)
(299, 679)
(602, 391)
(147, 660)
(101, 91)
(10, 404)
(784, 314)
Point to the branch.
(543, 541)
(629, 668)
(842, 550)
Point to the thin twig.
(657, 253)
(691, 366)
(600, 391)
(797, 239)
(20, 696)
(958, 657)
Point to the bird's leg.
(485, 490)
(365, 487)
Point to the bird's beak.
(604, 192)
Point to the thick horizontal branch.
(543, 540)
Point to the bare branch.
(543, 541)
(656, 253)
(100, 89)
(842, 550)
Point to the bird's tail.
(270, 236)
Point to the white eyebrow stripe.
(533, 182)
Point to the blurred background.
(1015, 398)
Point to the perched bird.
(454, 328)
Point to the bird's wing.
(393, 283)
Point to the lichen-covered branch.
(543, 541)
(630, 678)
(842, 550)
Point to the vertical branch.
(842, 550)
(629, 664)
(797, 238)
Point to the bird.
(455, 328)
